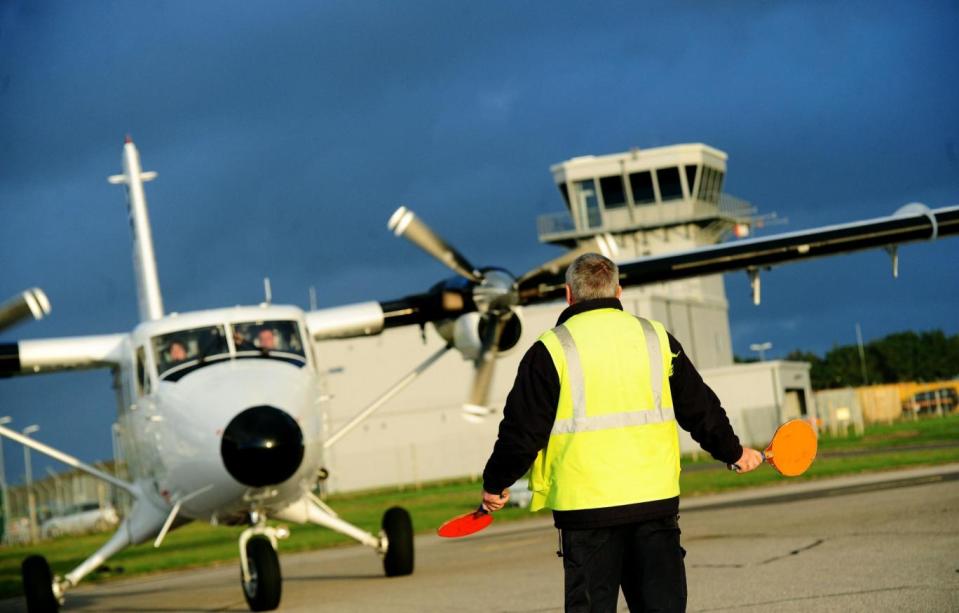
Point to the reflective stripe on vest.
(580, 422)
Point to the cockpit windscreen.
(274, 339)
(184, 350)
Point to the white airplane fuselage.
(171, 426)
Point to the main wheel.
(398, 527)
(263, 589)
(38, 585)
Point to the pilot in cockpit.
(266, 339)
(177, 352)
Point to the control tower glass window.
(565, 192)
(669, 186)
(589, 203)
(691, 179)
(614, 194)
(710, 184)
(719, 185)
(642, 186)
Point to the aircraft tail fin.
(144, 261)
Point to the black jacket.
(531, 410)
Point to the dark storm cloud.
(285, 137)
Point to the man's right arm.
(527, 420)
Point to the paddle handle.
(766, 455)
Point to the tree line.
(903, 356)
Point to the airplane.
(219, 411)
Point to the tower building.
(655, 201)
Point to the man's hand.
(494, 502)
(749, 460)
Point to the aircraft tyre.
(398, 528)
(38, 585)
(263, 590)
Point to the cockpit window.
(184, 350)
(276, 339)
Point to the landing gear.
(263, 585)
(38, 585)
(398, 529)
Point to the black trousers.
(644, 559)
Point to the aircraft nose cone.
(262, 446)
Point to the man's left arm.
(698, 409)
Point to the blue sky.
(285, 134)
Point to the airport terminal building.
(651, 201)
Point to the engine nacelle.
(466, 332)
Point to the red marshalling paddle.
(466, 524)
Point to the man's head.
(267, 339)
(177, 351)
(592, 276)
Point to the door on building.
(795, 405)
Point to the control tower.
(655, 201)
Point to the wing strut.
(69, 460)
(392, 391)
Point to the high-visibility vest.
(614, 441)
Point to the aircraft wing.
(765, 252)
(454, 297)
(55, 354)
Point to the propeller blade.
(485, 368)
(30, 303)
(404, 223)
(601, 243)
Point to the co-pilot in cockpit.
(184, 351)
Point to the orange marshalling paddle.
(792, 449)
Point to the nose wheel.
(262, 585)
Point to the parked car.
(79, 519)
(929, 401)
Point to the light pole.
(6, 419)
(28, 469)
(762, 348)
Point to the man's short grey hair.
(592, 275)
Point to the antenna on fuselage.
(267, 291)
(312, 298)
(144, 261)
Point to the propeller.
(404, 223)
(485, 365)
(494, 292)
(30, 303)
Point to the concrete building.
(652, 201)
